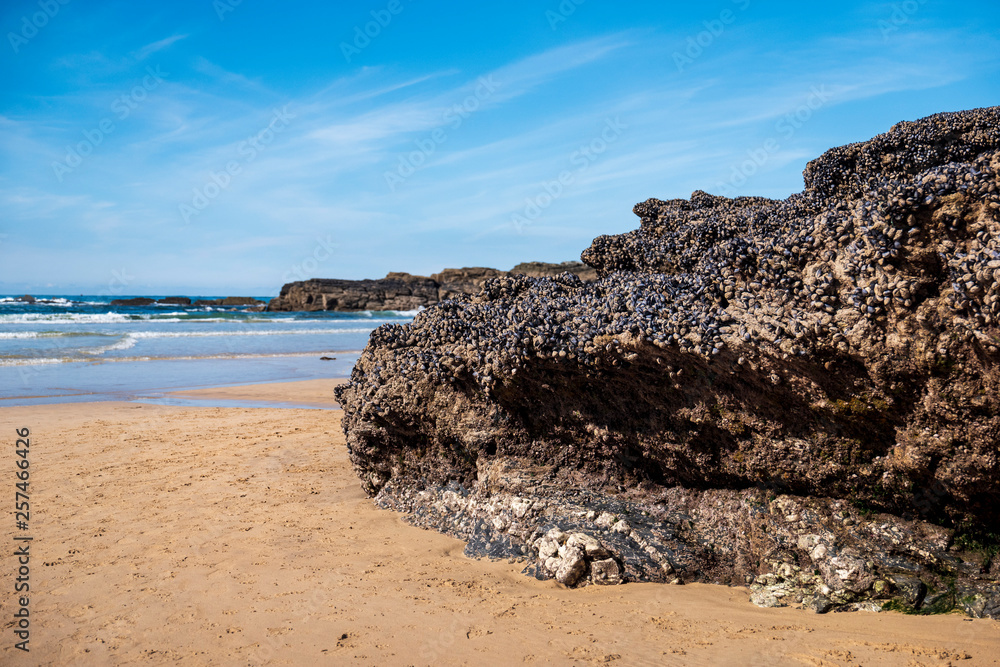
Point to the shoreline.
(161, 531)
(164, 380)
(310, 394)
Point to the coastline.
(169, 380)
(163, 530)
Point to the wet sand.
(316, 393)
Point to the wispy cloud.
(152, 48)
(226, 77)
(507, 83)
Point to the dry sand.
(225, 536)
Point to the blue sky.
(227, 147)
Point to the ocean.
(81, 348)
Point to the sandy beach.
(223, 536)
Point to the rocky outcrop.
(802, 395)
(185, 301)
(136, 301)
(402, 291)
(232, 301)
(397, 291)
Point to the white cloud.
(152, 48)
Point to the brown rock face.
(397, 291)
(798, 394)
(402, 291)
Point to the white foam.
(8, 335)
(13, 335)
(55, 301)
(33, 361)
(66, 318)
(125, 343)
(100, 318)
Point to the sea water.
(81, 348)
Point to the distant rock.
(242, 301)
(403, 291)
(231, 301)
(136, 301)
(185, 301)
(544, 270)
(27, 298)
(454, 282)
(397, 291)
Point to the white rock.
(547, 548)
(605, 572)
(572, 567)
(766, 598)
(520, 507)
(557, 535)
(621, 527)
(590, 545)
(807, 542)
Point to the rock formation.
(397, 291)
(135, 301)
(800, 395)
(402, 291)
(230, 301)
(185, 301)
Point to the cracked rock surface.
(797, 395)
